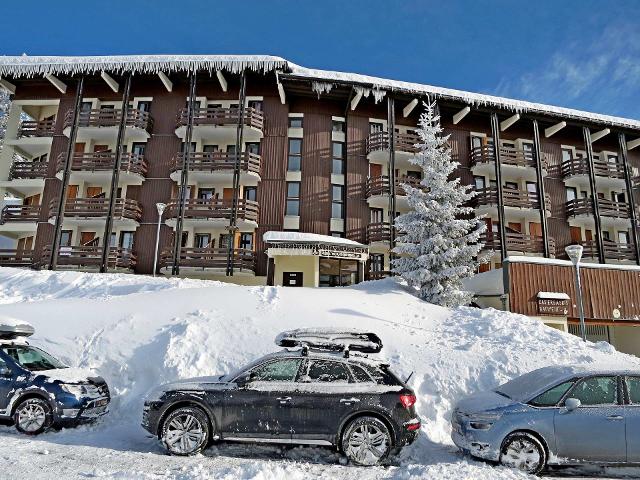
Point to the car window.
(32, 359)
(284, 370)
(633, 385)
(596, 391)
(330, 372)
(552, 396)
(360, 375)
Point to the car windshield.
(31, 358)
(523, 388)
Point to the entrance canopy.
(312, 244)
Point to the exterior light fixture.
(160, 207)
(575, 254)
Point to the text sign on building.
(553, 304)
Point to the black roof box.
(332, 339)
(11, 328)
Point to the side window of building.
(337, 126)
(294, 163)
(337, 201)
(293, 199)
(375, 127)
(295, 122)
(337, 165)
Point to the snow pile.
(138, 332)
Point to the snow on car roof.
(12, 328)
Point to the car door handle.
(615, 417)
(284, 400)
(349, 401)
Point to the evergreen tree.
(437, 243)
(5, 103)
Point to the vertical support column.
(542, 197)
(594, 194)
(233, 228)
(630, 196)
(184, 177)
(57, 232)
(391, 135)
(495, 133)
(115, 176)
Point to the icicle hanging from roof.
(378, 94)
(321, 88)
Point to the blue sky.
(577, 53)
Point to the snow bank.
(139, 332)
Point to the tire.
(185, 431)
(524, 452)
(33, 416)
(366, 441)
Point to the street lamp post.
(160, 207)
(575, 254)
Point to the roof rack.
(11, 328)
(331, 340)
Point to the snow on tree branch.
(5, 104)
(437, 243)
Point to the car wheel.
(185, 431)
(366, 441)
(33, 416)
(524, 452)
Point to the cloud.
(600, 73)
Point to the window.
(377, 215)
(295, 122)
(192, 149)
(138, 148)
(566, 155)
(184, 239)
(337, 126)
(294, 163)
(205, 193)
(202, 240)
(375, 127)
(337, 165)
(596, 391)
(284, 370)
(293, 199)
(479, 183)
(210, 148)
(377, 262)
(126, 240)
(476, 142)
(617, 197)
(360, 375)
(633, 386)
(65, 238)
(246, 241)
(528, 149)
(623, 238)
(328, 372)
(605, 235)
(571, 193)
(86, 107)
(511, 185)
(255, 104)
(31, 358)
(337, 234)
(532, 187)
(337, 201)
(552, 396)
(251, 193)
(144, 106)
(253, 147)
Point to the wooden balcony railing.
(608, 208)
(16, 258)
(378, 232)
(37, 128)
(517, 242)
(508, 156)
(27, 170)
(125, 208)
(380, 185)
(403, 142)
(217, 162)
(219, 117)
(111, 118)
(211, 209)
(612, 250)
(103, 161)
(511, 197)
(580, 166)
(91, 257)
(19, 213)
(243, 259)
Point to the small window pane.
(552, 396)
(293, 189)
(330, 372)
(596, 391)
(295, 122)
(337, 126)
(293, 207)
(337, 149)
(337, 166)
(633, 385)
(336, 210)
(360, 375)
(295, 146)
(293, 165)
(279, 371)
(337, 193)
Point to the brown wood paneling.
(357, 170)
(459, 141)
(555, 188)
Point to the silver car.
(554, 416)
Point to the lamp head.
(160, 207)
(575, 253)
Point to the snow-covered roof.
(553, 295)
(567, 263)
(300, 237)
(322, 80)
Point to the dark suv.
(37, 391)
(307, 396)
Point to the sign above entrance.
(328, 251)
(554, 304)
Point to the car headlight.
(483, 421)
(77, 390)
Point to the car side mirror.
(244, 379)
(571, 404)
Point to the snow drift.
(138, 332)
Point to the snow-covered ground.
(138, 332)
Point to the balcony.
(513, 199)
(28, 170)
(103, 124)
(220, 124)
(37, 128)
(98, 167)
(377, 190)
(518, 242)
(612, 251)
(611, 213)
(205, 166)
(19, 214)
(94, 210)
(377, 147)
(198, 210)
(16, 258)
(90, 257)
(378, 232)
(210, 260)
(610, 174)
(509, 157)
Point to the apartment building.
(272, 173)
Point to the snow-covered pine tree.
(437, 243)
(5, 103)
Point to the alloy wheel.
(31, 417)
(522, 454)
(367, 444)
(184, 434)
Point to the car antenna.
(409, 377)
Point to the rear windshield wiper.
(502, 394)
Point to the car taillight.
(407, 400)
(413, 426)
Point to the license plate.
(101, 403)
